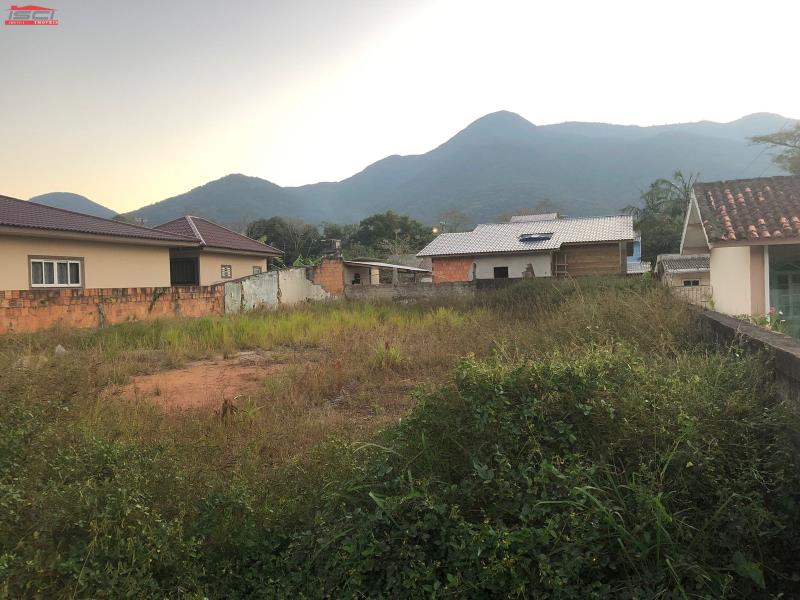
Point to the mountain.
(74, 202)
(499, 163)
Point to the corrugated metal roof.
(683, 263)
(494, 238)
(383, 265)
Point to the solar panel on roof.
(535, 237)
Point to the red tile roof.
(29, 215)
(766, 208)
(212, 235)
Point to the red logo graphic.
(31, 15)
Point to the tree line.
(378, 236)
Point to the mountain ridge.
(498, 163)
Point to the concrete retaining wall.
(784, 350)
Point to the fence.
(699, 295)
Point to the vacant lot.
(556, 439)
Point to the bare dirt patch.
(206, 383)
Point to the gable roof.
(30, 215)
(683, 263)
(493, 238)
(750, 209)
(211, 235)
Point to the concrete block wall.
(24, 311)
(409, 292)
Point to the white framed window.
(256, 270)
(56, 272)
(691, 282)
(226, 271)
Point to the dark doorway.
(501, 272)
(184, 271)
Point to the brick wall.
(32, 310)
(330, 275)
(451, 269)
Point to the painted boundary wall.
(24, 311)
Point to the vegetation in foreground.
(589, 447)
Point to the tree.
(293, 236)
(660, 218)
(788, 142)
(380, 229)
(455, 221)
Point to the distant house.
(534, 246)
(688, 275)
(218, 255)
(44, 247)
(750, 229)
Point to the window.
(630, 249)
(256, 270)
(226, 271)
(691, 282)
(501, 272)
(56, 272)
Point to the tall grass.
(562, 440)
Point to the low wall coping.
(784, 349)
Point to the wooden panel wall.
(592, 259)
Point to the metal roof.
(539, 217)
(683, 263)
(504, 238)
(383, 265)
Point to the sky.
(131, 102)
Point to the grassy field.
(554, 440)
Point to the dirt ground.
(206, 383)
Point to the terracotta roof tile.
(29, 215)
(750, 209)
(212, 235)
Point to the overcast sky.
(131, 102)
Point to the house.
(687, 275)
(44, 247)
(533, 246)
(219, 254)
(750, 229)
(368, 272)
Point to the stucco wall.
(251, 292)
(242, 266)
(105, 265)
(516, 263)
(295, 287)
(730, 278)
(677, 279)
